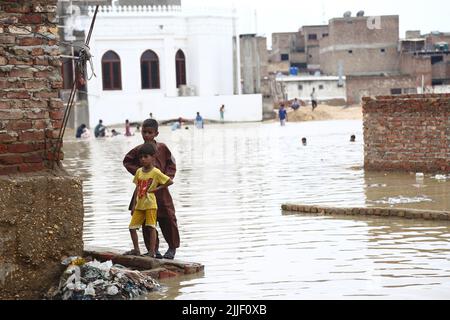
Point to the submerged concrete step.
(405, 213)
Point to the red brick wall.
(30, 109)
(407, 133)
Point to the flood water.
(231, 182)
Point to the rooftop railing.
(160, 10)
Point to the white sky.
(290, 15)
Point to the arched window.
(111, 73)
(180, 65)
(149, 70)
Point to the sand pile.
(324, 112)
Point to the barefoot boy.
(148, 180)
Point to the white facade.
(300, 87)
(206, 39)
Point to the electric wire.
(84, 56)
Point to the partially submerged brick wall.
(30, 79)
(407, 133)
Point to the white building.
(329, 89)
(166, 60)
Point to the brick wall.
(30, 109)
(361, 86)
(407, 133)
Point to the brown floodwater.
(231, 182)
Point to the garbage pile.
(101, 281)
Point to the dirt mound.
(324, 112)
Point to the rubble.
(100, 281)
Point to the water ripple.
(230, 184)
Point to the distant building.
(361, 46)
(298, 49)
(255, 77)
(329, 89)
(365, 51)
(169, 60)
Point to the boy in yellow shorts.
(148, 180)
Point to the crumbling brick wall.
(407, 133)
(30, 109)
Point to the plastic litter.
(101, 281)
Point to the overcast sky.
(290, 15)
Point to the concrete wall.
(114, 107)
(417, 66)
(282, 43)
(361, 86)
(30, 110)
(41, 221)
(251, 60)
(275, 67)
(254, 64)
(407, 133)
(312, 45)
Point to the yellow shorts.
(139, 216)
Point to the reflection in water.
(229, 187)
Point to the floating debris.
(441, 177)
(101, 281)
(402, 199)
(377, 185)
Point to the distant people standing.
(222, 112)
(80, 130)
(199, 121)
(100, 129)
(352, 138)
(151, 115)
(314, 99)
(282, 114)
(128, 129)
(295, 104)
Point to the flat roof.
(315, 26)
(308, 78)
(364, 17)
